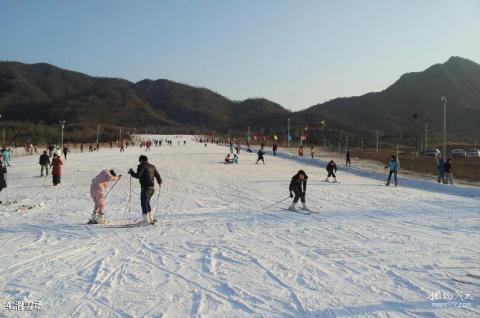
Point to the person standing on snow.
(441, 169)
(6, 157)
(312, 152)
(448, 172)
(3, 181)
(348, 163)
(298, 186)
(146, 173)
(393, 165)
(44, 162)
(274, 149)
(65, 151)
(57, 164)
(331, 169)
(260, 154)
(99, 183)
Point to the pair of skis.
(124, 225)
(301, 211)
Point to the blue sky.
(296, 53)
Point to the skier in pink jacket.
(99, 183)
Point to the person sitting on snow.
(99, 183)
(235, 159)
(298, 185)
(227, 158)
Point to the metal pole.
(98, 130)
(444, 100)
(248, 134)
(346, 142)
(62, 135)
(377, 139)
(4, 135)
(288, 135)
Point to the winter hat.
(112, 172)
(142, 158)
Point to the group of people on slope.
(444, 168)
(56, 164)
(146, 173)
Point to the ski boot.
(292, 207)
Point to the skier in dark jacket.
(44, 162)
(274, 148)
(3, 181)
(331, 169)
(348, 162)
(298, 186)
(260, 154)
(448, 171)
(146, 173)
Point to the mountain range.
(42, 94)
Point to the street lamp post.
(444, 101)
(62, 122)
(98, 131)
(378, 133)
(3, 131)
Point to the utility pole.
(248, 134)
(346, 142)
(378, 133)
(444, 101)
(98, 131)
(62, 122)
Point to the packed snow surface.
(371, 251)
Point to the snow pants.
(98, 199)
(448, 177)
(394, 172)
(145, 196)
(331, 174)
(56, 179)
(299, 194)
(441, 176)
(44, 167)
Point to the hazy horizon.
(297, 54)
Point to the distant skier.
(51, 148)
(298, 186)
(300, 151)
(231, 148)
(3, 172)
(227, 158)
(260, 155)
(6, 157)
(146, 173)
(331, 170)
(348, 162)
(235, 159)
(65, 151)
(312, 152)
(57, 164)
(44, 162)
(441, 169)
(274, 149)
(99, 183)
(448, 172)
(393, 165)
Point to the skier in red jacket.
(57, 164)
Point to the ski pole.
(113, 187)
(276, 203)
(158, 200)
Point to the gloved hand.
(130, 171)
(291, 195)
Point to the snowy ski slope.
(372, 251)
